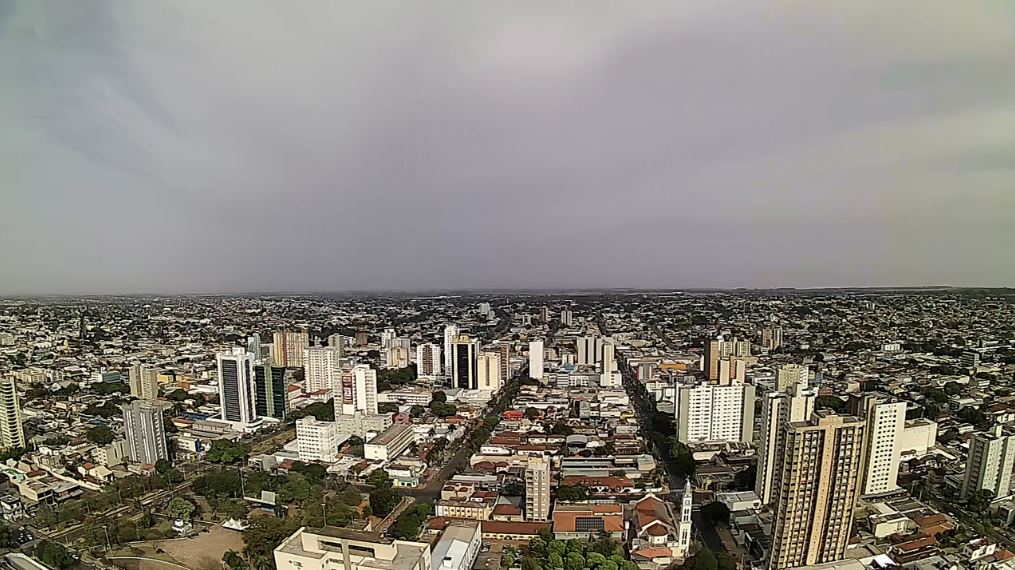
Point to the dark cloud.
(196, 146)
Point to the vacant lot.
(202, 552)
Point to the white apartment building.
(321, 365)
(145, 432)
(778, 409)
(885, 422)
(712, 412)
(316, 440)
(144, 382)
(12, 432)
(450, 333)
(790, 374)
(356, 391)
(332, 548)
(362, 425)
(589, 349)
(428, 360)
(989, 464)
(536, 359)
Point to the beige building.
(12, 433)
(777, 410)
(287, 349)
(819, 484)
(488, 367)
(537, 489)
(144, 382)
(338, 548)
(989, 464)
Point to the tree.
(703, 560)
(513, 488)
(554, 560)
(233, 560)
(683, 459)
(725, 561)
(572, 493)
(716, 512)
(980, 501)
(54, 555)
(574, 561)
(379, 479)
(180, 508)
(383, 501)
(225, 451)
(100, 435)
(532, 413)
(538, 547)
(417, 411)
(953, 388)
(439, 396)
(263, 535)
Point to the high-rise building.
(428, 359)
(465, 351)
(885, 421)
(504, 349)
(732, 370)
(144, 382)
(337, 341)
(771, 337)
(356, 391)
(712, 412)
(254, 345)
(590, 350)
(790, 374)
(488, 371)
(362, 338)
(609, 359)
(320, 368)
(989, 464)
(145, 432)
(288, 347)
(396, 354)
(271, 391)
(969, 359)
(537, 489)
(819, 483)
(12, 433)
(566, 317)
(316, 440)
(778, 409)
(450, 333)
(236, 386)
(711, 359)
(718, 350)
(387, 336)
(544, 314)
(536, 359)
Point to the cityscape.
(839, 430)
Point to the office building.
(12, 432)
(771, 337)
(989, 464)
(885, 420)
(316, 440)
(356, 391)
(790, 374)
(288, 347)
(713, 412)
(145, 432)
(537, 489)
(778, 409)
(320, 368)
(488, 367)
(819, 484)
(271, 391)
(390, 443)
(331, 548)
(450, 334)
(236, 386)
(144, 382)
(428, 360)
(536, 359)
(589, 350)
(465, 352)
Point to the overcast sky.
(196, 146)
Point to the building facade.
(778, 409)
(537, 489)
(287, 347)
(989, 464)
(316, 440)
(12, 432)
(236, 386)
(145, 432)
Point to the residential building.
(321, 365)
(504, 349)
(144, 382)
(882, 452)
(819, 484)
(771, 337)
(428, 359)
(778, 409)
(337, 341)
(390, 443)
(450, 334)
(989, 464)
(12, 432)
(288, 347)
(537, 489)
(536, 359)
(356, 391)
(712, 412)
(488, 367)
(236, 386)
(330, 548)
(790, 374)
(316, 440)
(145, 432)
(363, 425)
(566, 317)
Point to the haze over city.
(324, 146)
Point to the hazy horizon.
(252, 147)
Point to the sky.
(323, 145)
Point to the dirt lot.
(204, 551)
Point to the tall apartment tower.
(320, 365)
(790, 374)
(771, 337)
(778, 409)
(337, 341)
(428, 359)
(819, 483)
(711, 358)
(145, 432)
(288, 347)
(537, 489)
(711, 412)
(450, 333)
(990, 462)
(12, 433)
(271, 391)
(882, 449)
(590, 350)
(609, 359)
(144, 382)
(536, 359)
(566, 317)
(463, 364)
(488, 367)
(356, 391)
(504, 349)
(236, 386)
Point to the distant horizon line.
(518, 290)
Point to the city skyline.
(237, 147)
